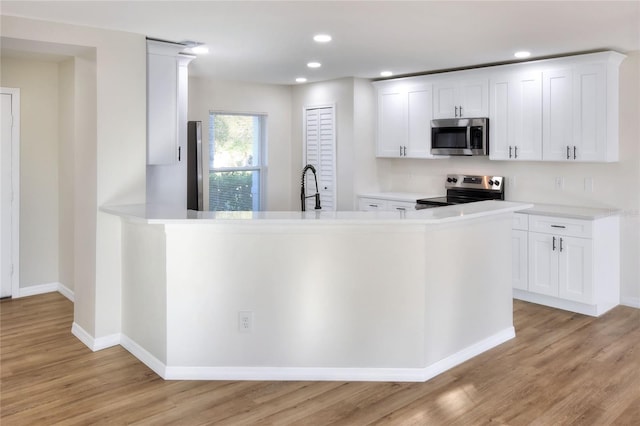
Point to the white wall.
(66, 227)
(110, 155)
(213, 95)
(341, 94)
(615, 184)
(38, 83)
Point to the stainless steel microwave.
(460, 136)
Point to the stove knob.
(491, 182)
(497, 183)
(449, 180)
(455, 180)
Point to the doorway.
(320, 152)
(9, 190)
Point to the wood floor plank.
(561, 369)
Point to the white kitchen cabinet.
(573, 264)
(389, 201)
(372, 204)
(515, 131)
(461, 97)
(404, 120)
(166, 90)
(580, 111)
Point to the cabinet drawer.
(401, 205)
(371, 204)
(560, 226)
(520, 221)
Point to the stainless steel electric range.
(466, 189)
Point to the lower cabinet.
(567, 263)
(366, 204)
(561, 266)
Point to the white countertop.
(573, 212)
(162, 214)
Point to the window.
(236, 168)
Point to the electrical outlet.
(559, 183)
(245, 321)
(512, 182)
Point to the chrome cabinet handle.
(509, 151)
(460, 110)
(574, 152)
(400, 150)
(456, 113)
(561, 244)
(553, 244)
(558, 226)
(401, 209)
(516, 152)
(568, 155)
(405, 151)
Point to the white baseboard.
(66, 292)
(143, 355)
(633, 302)
(315, 374)
(45, 288)
(93, 343)
(33, 290)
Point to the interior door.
(6, 237)
(320, 152)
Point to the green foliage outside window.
(231, 191)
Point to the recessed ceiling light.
(301, 80)
(522, 54)
(314, 64)
(322, 38)
(386, 74)
(200, 50)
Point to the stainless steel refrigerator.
(194, 166)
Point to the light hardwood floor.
(561, 369)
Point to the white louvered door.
(320, 144)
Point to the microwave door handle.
(469, 138)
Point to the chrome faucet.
(303, 195)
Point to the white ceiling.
(271, 42)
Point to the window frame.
(261, 167)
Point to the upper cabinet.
(561, 109)
(166, 101)
(515, 123)
(404, 120)
(459, 98)
(580, 107)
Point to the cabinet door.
(543, 264)
(162, 109)
(419, 122)
(527, 108)
(444, 100)
(576, 277)
(501, 118)
(557, 114)
(392, 134)
(589, 113)
(473, 98)
(519, 259)
(516, 117)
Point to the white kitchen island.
(384, 296)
